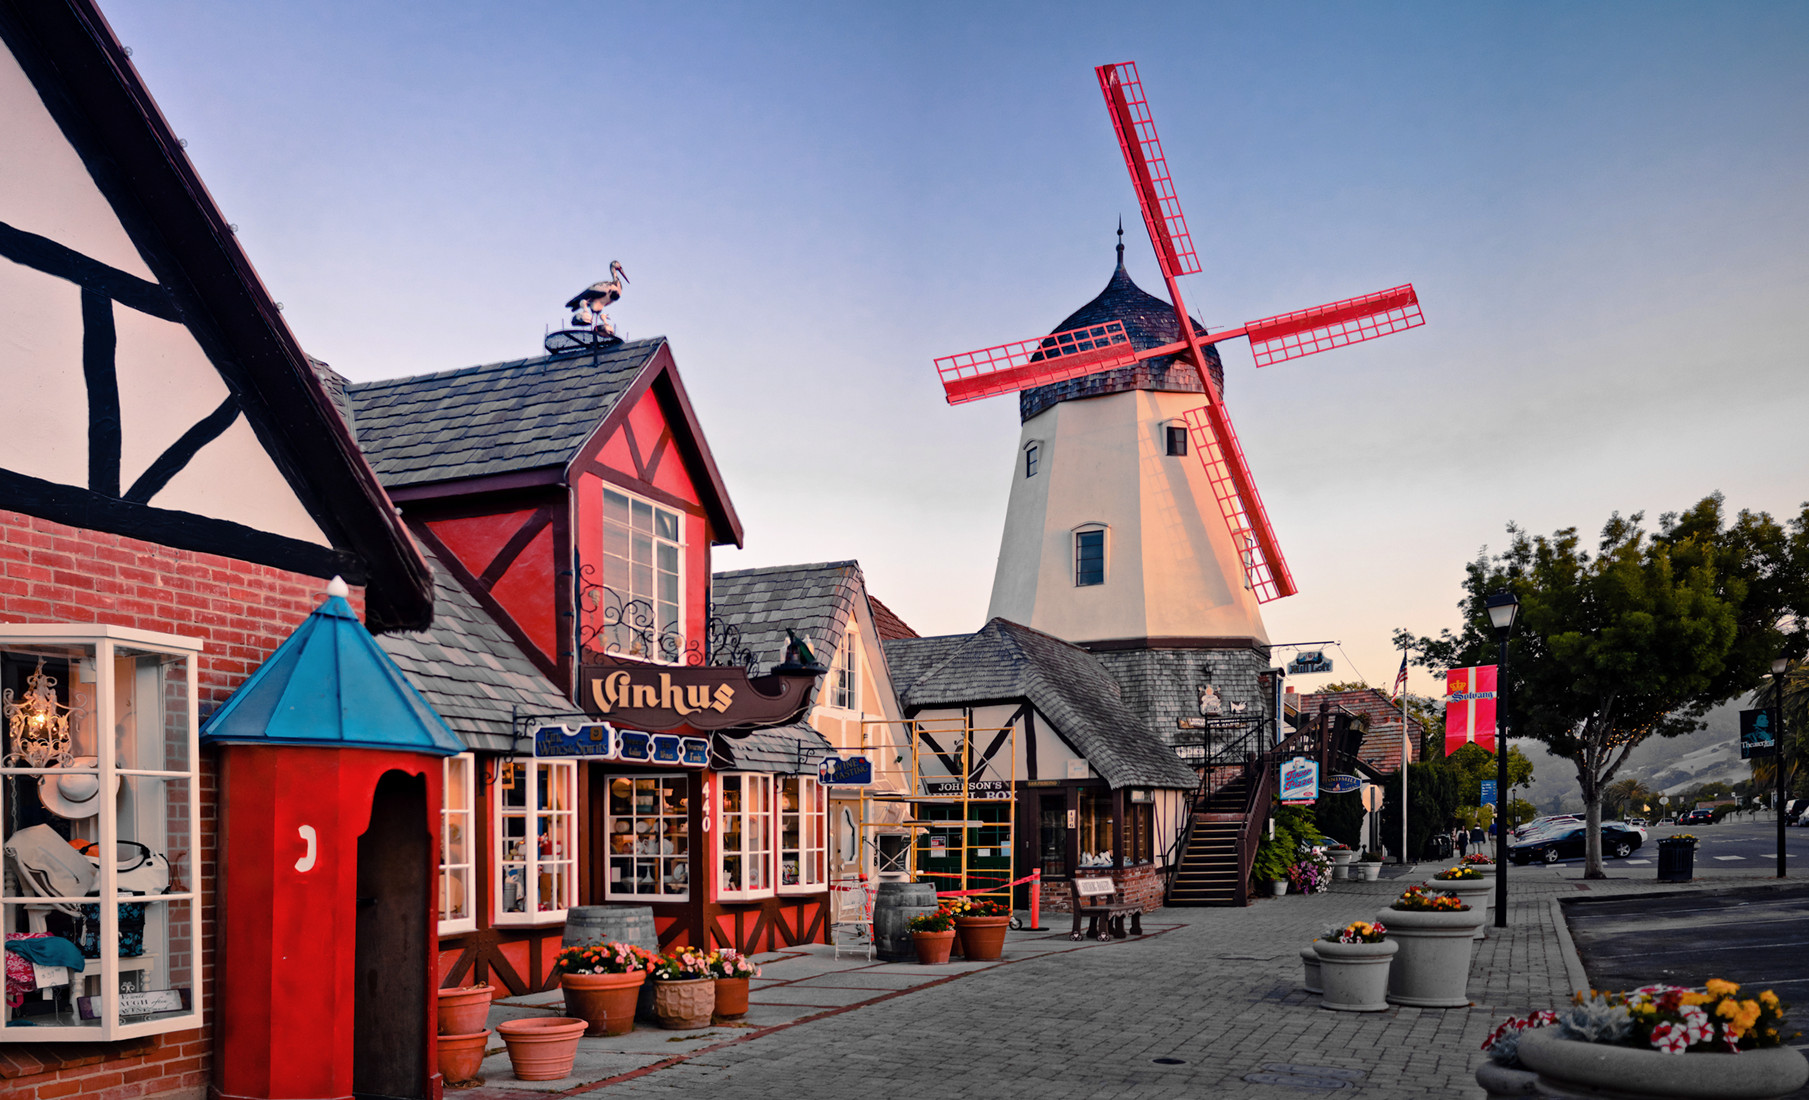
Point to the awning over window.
(787, 750)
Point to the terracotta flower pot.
(542, 1049)
(1568, 1068)
(982, 938)
(461, 1055)
(731, 998)
(463, 1011)
(604, 1001)
(685, 1004)
(933, 947)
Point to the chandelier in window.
(37, 725)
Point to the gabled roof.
(329, 686)
(498, 418)
(886, 622)
(1381, 748)
(1065, 683)
(207, 284)
(789, 750)
(813, 600)
(471, 672)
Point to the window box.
(458, 828)
(648, 822)
(134, 794)
(535, 831)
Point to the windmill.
(1092, 348)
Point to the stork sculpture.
(587, 305)
(1099, 347)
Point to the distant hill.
(1668, 764)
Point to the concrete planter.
(1341, 863)
(1309, 966)
(1569, 1069)
(1477, 893)
(1433, 967)
(1355, 975)
(1280, 886)
(1503, 1082)
(1368, 872)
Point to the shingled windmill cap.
(330, 686)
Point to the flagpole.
(1406, 758)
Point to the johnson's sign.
(702, 697)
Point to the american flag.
(1400, 679)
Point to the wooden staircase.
(1211, 870)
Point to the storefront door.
(389, 1003)
(1052, 834)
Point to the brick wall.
(1141, 885)
(50, 573)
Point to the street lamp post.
(1778, 668)
(1503, 607)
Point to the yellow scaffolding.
(961, 820)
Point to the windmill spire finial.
(1121, 240)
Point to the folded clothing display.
(25, 948)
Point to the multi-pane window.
(1031, 454)
(457, 824)
(1095, 827)
(1139, 826)
(845, 689)
(744, 837)
(801, 849)
(1089, 557)
(99, 799)
(649, 827)
(643, 565)
(536, 840)
(1177, 439)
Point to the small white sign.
(1078, 769)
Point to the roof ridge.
(502, 364)
(845, 563)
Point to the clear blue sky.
(1603, 208)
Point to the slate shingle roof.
(1065, 683)
(791, 750)
(469, 671)
(814, 600)
(886, 622)
(499, 418)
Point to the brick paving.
(1217, 989)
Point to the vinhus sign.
(701, 697)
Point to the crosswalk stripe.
(1727, 857)
(1639, 861)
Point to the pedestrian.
(1478, 839)
(1463, 842)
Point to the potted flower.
(1353, 966)
(933, 935)
(1271, 866)
(1470, 885)
(1665, 1040)
(1342, 856)
(1434, 931)
(684, 993)
(542, 1048)
(1369, 866)
(1503, 1075)
(731, 969)
(1311, 873)
(1477, 859)
(980, 924)
(601, 982)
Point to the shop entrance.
(389, 1000)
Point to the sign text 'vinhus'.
(701, 697)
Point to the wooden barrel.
(588, 924)
(893, 907)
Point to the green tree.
(1635, 639)
(1627, 798)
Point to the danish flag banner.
(1470, 707)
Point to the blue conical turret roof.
(329, 686)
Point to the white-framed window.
(744, 836)
(133, 793)
(1089, 555)
(535, 829)
(803, 822)
(845, 681)
(643, 563)
(648, 820)
(458, 835)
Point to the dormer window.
(1176, 437)
(642, 564)
(1032, 452)
(1089, 556)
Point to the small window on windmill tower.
(1031, 453)
(1089, 557)
(1177, 439)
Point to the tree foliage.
(1635, 638)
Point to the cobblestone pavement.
(1217, 990)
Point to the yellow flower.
(1727, 1010)
(1721, 988)
(1694, 999)
(1768, 999)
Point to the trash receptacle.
(1676, 859)
(1439, 846)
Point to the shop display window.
(744, 837)
(649, 826)
(458, 912)
(801, 828)
(1095, 827)
(1139, 826)
(536, 875)
(99, 800)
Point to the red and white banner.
(1470, 707)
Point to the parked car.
(1696, 817)
(1546, 824)
(1618, 842)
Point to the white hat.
(75, 795)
